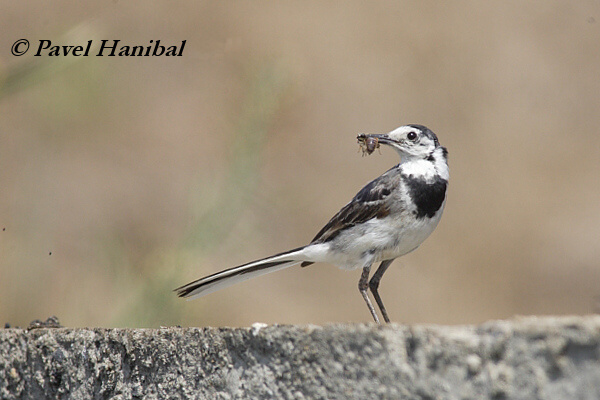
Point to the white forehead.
(402, 131)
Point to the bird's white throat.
(427, 168)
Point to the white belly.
(375, 241)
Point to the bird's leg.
(374, 285)
(363, 285)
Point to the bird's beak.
(369, 142)
(381, 138)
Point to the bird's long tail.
(228, 277)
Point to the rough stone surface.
(527, 358)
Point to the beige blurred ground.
(140, 174)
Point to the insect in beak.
(367, 143)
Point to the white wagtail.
(390, 217)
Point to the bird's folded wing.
(369, 203)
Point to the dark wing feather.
(366, 205)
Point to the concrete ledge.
(528, 358)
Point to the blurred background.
(122, 178)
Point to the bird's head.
(410, 141)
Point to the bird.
(390, 217)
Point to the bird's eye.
(411, 136)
